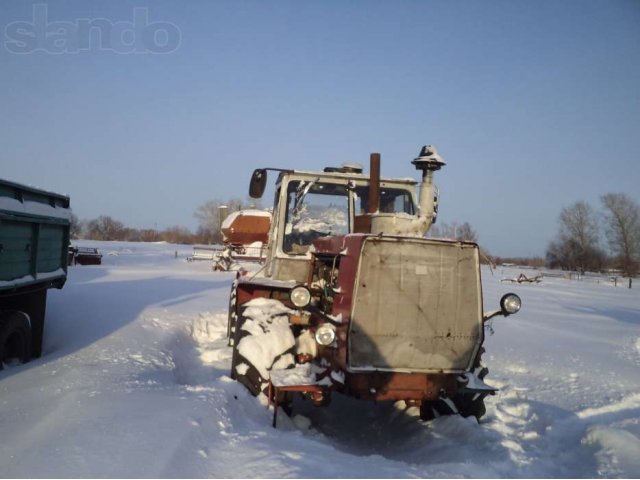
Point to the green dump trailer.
(34, 240)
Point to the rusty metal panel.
(245, 227)
(398, 386)
(417, 306)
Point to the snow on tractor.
(353, 299)
(244, 235)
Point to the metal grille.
(417, 306)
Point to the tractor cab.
(313, 205)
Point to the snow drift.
(134, 382)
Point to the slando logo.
(91, 34)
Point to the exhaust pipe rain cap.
(428, 159)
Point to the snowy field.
(134, 383)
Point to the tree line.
(590, 240)
(209, 215)
(453, 231)
(107, 228)
(587, 239)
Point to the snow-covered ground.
(134, 383)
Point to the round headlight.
(510, 303)
(300, 296)
(325, 335)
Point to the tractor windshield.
(314, 210)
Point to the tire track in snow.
(543, 438)
(519, 437)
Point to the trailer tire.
(15, 337)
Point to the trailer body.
(34, 241)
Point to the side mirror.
(258, 183)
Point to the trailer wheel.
(15, 338)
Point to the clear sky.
(533, 104)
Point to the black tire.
(248, 374)
(15, 337)
(466, 404)
(436, 408)
(250, 378)
(472, 404)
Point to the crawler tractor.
(353, 299)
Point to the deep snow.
(134, 383)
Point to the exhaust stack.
(400, 223)
(374, 183)
(428, 161)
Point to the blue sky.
(534, 105)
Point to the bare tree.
(105, 228)
(177, 234)
(576, 246)
(466, 233)
(622, 221)
(148, 235)
(208, 216)
(75, 227)
(579, 222)
(453, 231)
